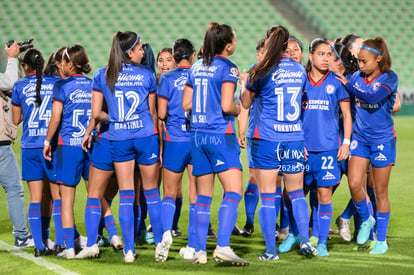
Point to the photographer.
(9, 170)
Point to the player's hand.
(47, 152)
(306, 154)
(86, 142)
(343, 152)
(342, 78)
(241, 140)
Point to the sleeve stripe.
(96, 91)
(386, 87)
(162, 97)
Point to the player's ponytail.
(215, 40)
(79, 58)
(276, 43)
(122, 43)
(379, 47)
(348, 60)
(34, 60)
(312, 48)
(182, 49)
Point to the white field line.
(37, 260)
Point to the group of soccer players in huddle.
(305, 127)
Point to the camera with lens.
(24, 45)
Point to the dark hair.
(164, 50)
(277, 37)
(348, 39)
(294, 38)
(380, 45)
(51, 68)
(122, 42)
(348, 60)
(215, 40)
(77, 54)
(260, 44)
(34, 59)
(312, 47)
(182, 49)
(149, 57)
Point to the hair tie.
(337, 54)
(133, 45)
(371, 49)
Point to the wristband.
(346, 141)
(46, 143)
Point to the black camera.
(24, 45)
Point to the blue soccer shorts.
(176, 155)
(144, 150)
(380, 155)
(72, 164)
(100, 154)
(35, 166)
(323, 168)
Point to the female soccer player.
(353, 43)
(274, 87)
(294, 49)
(323, 97)
(128, 89)
(176, 150)
(209, 93)
(32, 104)
(373, 140)
(70, 115)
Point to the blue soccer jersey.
(276, 111)
(373, 104)
(320, 112)
(206, 82)
(75, 94)
(36, 116)
(170, 88)
(128, 111)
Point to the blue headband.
(337, 54)
(133, 45)
(371, 49)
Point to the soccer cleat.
(344, 228)
(88, 252)
(211, 234)
(67, 254)
(247, 230)
(365, 230)
(308, 250)
(236, 230)
(283, 233)
(287, 244)
(80, 242)
(366, 246)
(176, 233)
(187, 252)
(44, 252)
(314, 241)
(379, 248)
(162, 249)
(103, 241)
(200, 257)
(226, 255)
(23, 242)
(268, 257)
(322, 250)
(57, 248)
(129, 257)
(49, 244)
(116, 243)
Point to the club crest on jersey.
(354, 144)
(376, 85)
(330, 89)
(234, 72)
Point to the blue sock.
(35, 222)
(177, 213)
(315, 222)
(293, 228)
(383, 219)
(324, 217)
(362, 209)
(313, 202)
(45, 227)
(371, 195)
(69, 237)
(278, 198)
(137, 218)
(227, 216)
(284, 214)
(92, 219)
(349, 210)
(154, 210)
(101, 226)
(168, 209)
(300, 213)
(57, 220)
(371, 213)
(143, 205)
(126, 218)
(202, 216)
(251, 198)
(192, 238)
(110, 226)
(267, 218)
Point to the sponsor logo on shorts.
(381, 157)
(354, 144)
(380, 147)
(328, 176)
(219, 162)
